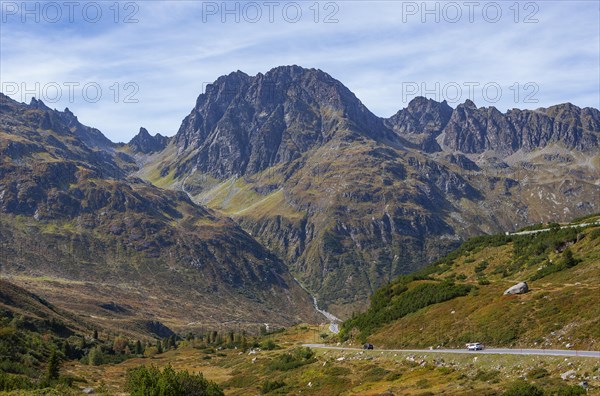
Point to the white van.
(474, 346)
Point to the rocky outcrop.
(92, 137)
(145, 143)
(158, 329)
(469, 129)
(476, 130)
(421, 122)
(519, 288)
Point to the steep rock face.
(70, 213)
(243, 124)
(575, 127)
(473, 130)
(421, 122)
(145, 143)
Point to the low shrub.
(567, 390)
(269, 386)
(567, 261)
(423, 383)
(486, 376)
(151, 381)
(522, 388)
(538, 373)
(289, 361)
(269, 345)
(338, 371)
(483, 282)
(9, 382)
(376, 373)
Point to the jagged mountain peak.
(292, 71)
(34, 130)
(563, 106)
(145, 143)
(38, 104)
(69, 113)
(421, 122)
(420, 101)
(469, 104)
(243, 124)
(276, 84)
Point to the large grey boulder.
(519, 288)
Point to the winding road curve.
(501, 351)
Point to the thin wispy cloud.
(378, 49)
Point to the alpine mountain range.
(276, 187)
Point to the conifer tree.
(67, 350)
(139, 349)
(53, 369)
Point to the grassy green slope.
(30, 328)
(561, 310)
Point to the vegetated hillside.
(79, 232)
(38, 341)
(16, 302)
(460, 299)
(30, 328)
(349, 200)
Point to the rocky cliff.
(476, 130)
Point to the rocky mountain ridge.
(349, 199)
(250, 123)
(475, 130)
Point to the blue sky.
(151, 59)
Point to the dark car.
(368, 346)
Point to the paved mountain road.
(530, 232)
(501, 351)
